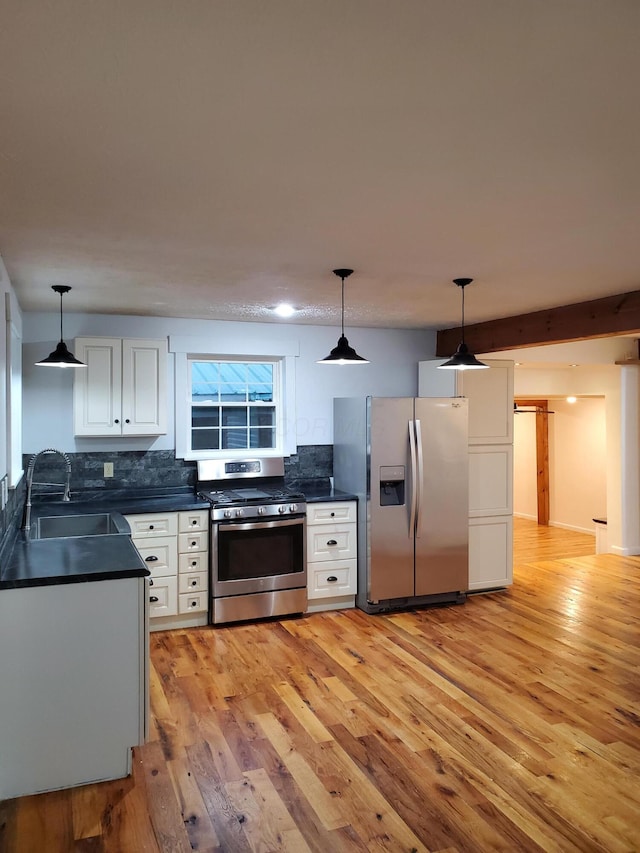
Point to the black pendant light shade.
(462, 359)
(342, 353)
(60, 357)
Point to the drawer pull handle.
(153, 599)
(193, 544)
(332, 542)
(151, 527)
(150, 581)
(194, 604)
(151, 559)
(332, 514)
(194, 583)
(127, 421)
(332, 579)
(194, 523)
(116, 421)
(194, 563)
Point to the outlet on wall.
(108, 469)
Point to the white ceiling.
(210, 158)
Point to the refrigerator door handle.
(419, 477)
(414, 479)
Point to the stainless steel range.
(258, 562)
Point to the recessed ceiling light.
(572, 399)
(573, 365)
(284, 310)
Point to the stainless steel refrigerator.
(407, 461)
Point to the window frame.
(189, 350)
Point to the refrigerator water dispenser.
(392, 485)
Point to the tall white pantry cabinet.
(490, 395)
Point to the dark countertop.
(324, 494)
(78, 559)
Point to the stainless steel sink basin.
(63, 526)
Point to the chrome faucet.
(66, 495)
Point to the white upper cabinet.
(123, 390)
(490, 394)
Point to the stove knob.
(293, 507)
(262, 510)
(227, 513)
(282, 509)
(239, 513)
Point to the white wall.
(577, 463)
(47, 397)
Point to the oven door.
(258, 556)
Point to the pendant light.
(462, 359)
(60, 357)
(343, 353)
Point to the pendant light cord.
(61, 337)
(343, 306)
(462, 289)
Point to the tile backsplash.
(139, 469)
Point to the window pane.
(233, 393)
(234, 439)
(234, 416)
(263, 393)
(202, 416)
(263, 416)
(262, 437)
(233, 372)
(205, 439)
(260, 374)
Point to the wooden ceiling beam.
(598, 318)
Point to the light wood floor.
(510, 723)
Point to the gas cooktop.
(244, 496)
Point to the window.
(238, 399)
(234, 405)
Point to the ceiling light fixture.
(284, 310)
(343, 353)
(60, 357)
(462, 359)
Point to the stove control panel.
(255, 511)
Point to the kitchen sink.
(92, 524)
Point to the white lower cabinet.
(73, 683)
(490, 552)
(175, 548)
(332, 573)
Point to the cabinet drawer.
(193, 601)
(194, 562)
(323, 513)
(193, 582)
(331, 542)
(160, 555)
(197, 541)
(196, 520)
(338, 578)
(163, 597)
(147, 525)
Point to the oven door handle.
(261, 525)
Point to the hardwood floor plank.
(267, 823)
